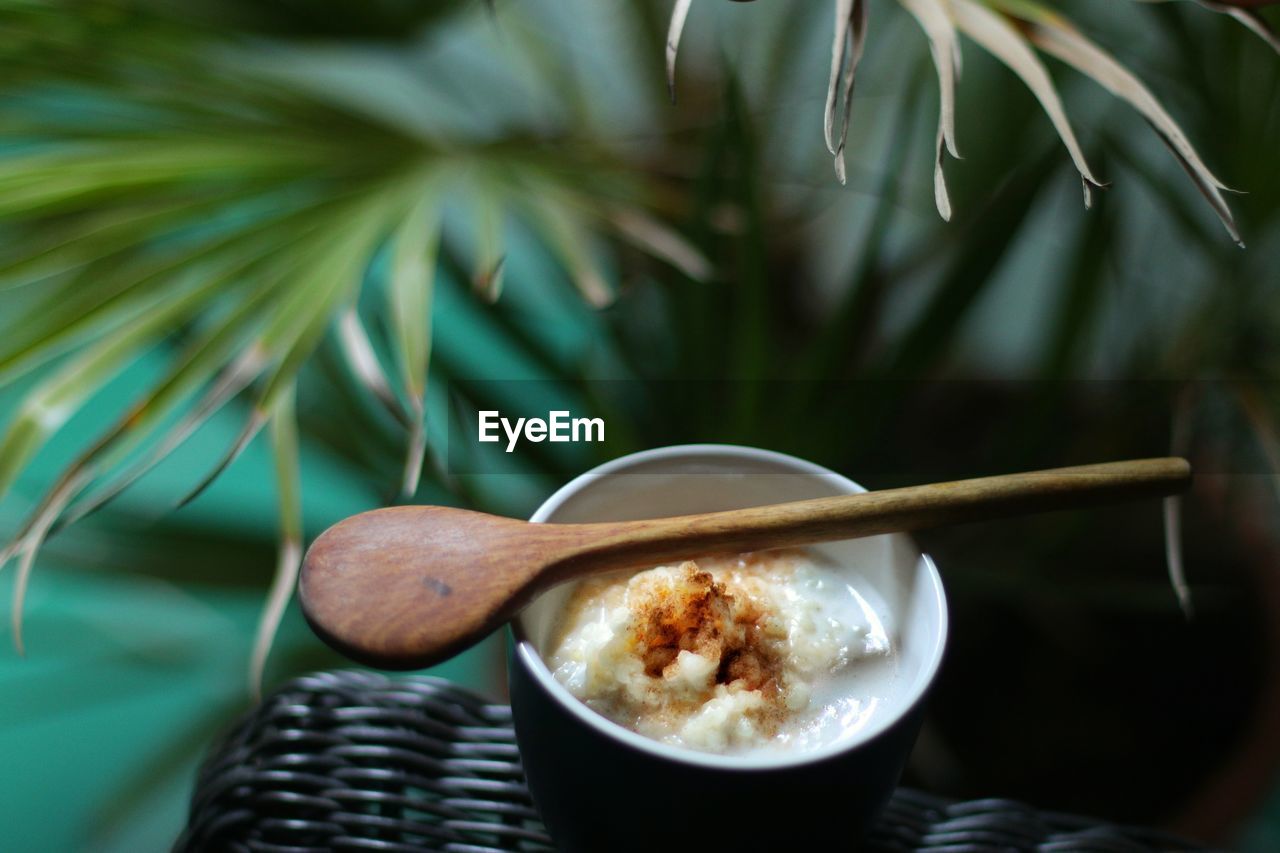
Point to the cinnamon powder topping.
(719, 655)
(697, 614)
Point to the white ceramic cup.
(590, 776)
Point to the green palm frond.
(284, 445)
(1012, 31)
(162, 188)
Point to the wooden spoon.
(408, 586)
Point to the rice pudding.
(727, 653)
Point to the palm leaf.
(1058, 37)
(196, 195)
(934, 17)
(409, 298)
(846, 53)
(1007, 29)
(365, 364)
(679, 13)
(284, 445)
(1249, 18)
(999, 37)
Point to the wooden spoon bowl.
(409, 586)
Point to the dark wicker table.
(357, 761)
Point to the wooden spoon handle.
(871, 513)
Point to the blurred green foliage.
(178, 181)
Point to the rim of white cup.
(878, 724)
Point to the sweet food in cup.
(729, 653)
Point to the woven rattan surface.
(358, 761)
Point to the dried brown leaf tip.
(1016, 32)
